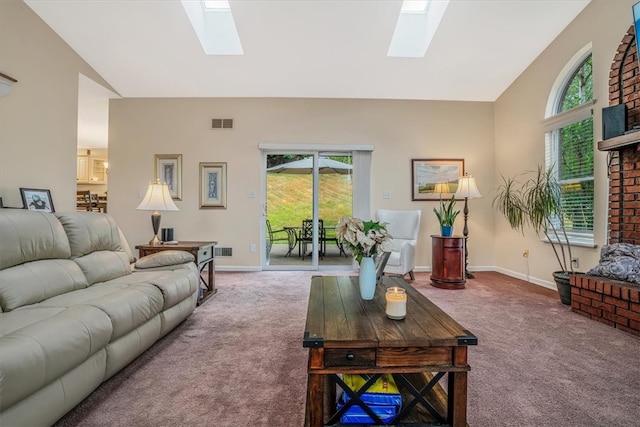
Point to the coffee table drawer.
(349, 357)
(408, 356)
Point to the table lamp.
(157, 199)
(467, 189)
(441, 187)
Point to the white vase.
(367, 279)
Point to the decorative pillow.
(619, 261)
(164, 258)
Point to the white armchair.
(404, 227)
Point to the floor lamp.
(467, 189)
(158, 198)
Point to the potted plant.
(536, 203)
(446, 216)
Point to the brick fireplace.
(608, 301)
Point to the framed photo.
(435, 179)
(37, 200)
(213, 185)
(169, 170)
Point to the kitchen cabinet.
(91, 170)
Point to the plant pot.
(446, 230)
(564, 288)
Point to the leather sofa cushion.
(94, 239)
(30, 236)
(101, 266)
(127, 306)
(36, 281)
(175, 285)
(40, 344)
(89, 232)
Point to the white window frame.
(555, 121)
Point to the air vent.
(221, 123)
(223, 252)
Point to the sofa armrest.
(163, 260)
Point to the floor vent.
(221, 123)
(222, 252)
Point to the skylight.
(414, 6)
(216, 4)
(416, 26)
(214, 25)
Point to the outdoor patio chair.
(330, 236)
(306, 237)
(290, 238)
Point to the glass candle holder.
(396, 303)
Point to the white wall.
(520, 138)
(39, 119)
(399, 130)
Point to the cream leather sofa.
(74, 310)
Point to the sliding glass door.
(306, 194)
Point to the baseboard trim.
(420, 269)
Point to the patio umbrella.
(304, 166)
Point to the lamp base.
(155, 222)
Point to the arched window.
(569, 146)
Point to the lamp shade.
(467, 188)
(441, 187)
(157, 198)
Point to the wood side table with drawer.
(204, 254)
(348, 335)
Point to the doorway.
(306, 195)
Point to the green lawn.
(289, 198)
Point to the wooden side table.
(447, 262)
(204, 254)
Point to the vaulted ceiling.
(309, 48)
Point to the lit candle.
(396, 303)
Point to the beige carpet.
(238, 360)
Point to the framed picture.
(435, 179)
(213, 185)
(169, 170)
(36, 199)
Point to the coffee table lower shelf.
(418, 416)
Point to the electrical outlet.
(525, 254)
(575, 261)
(252, 247)
(386, 195)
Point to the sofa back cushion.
(30, 236)
(34, 259)
(95, 245)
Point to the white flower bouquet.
(363, 238)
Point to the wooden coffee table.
(345, 334)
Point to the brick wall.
(611, 302)
(624, 165)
